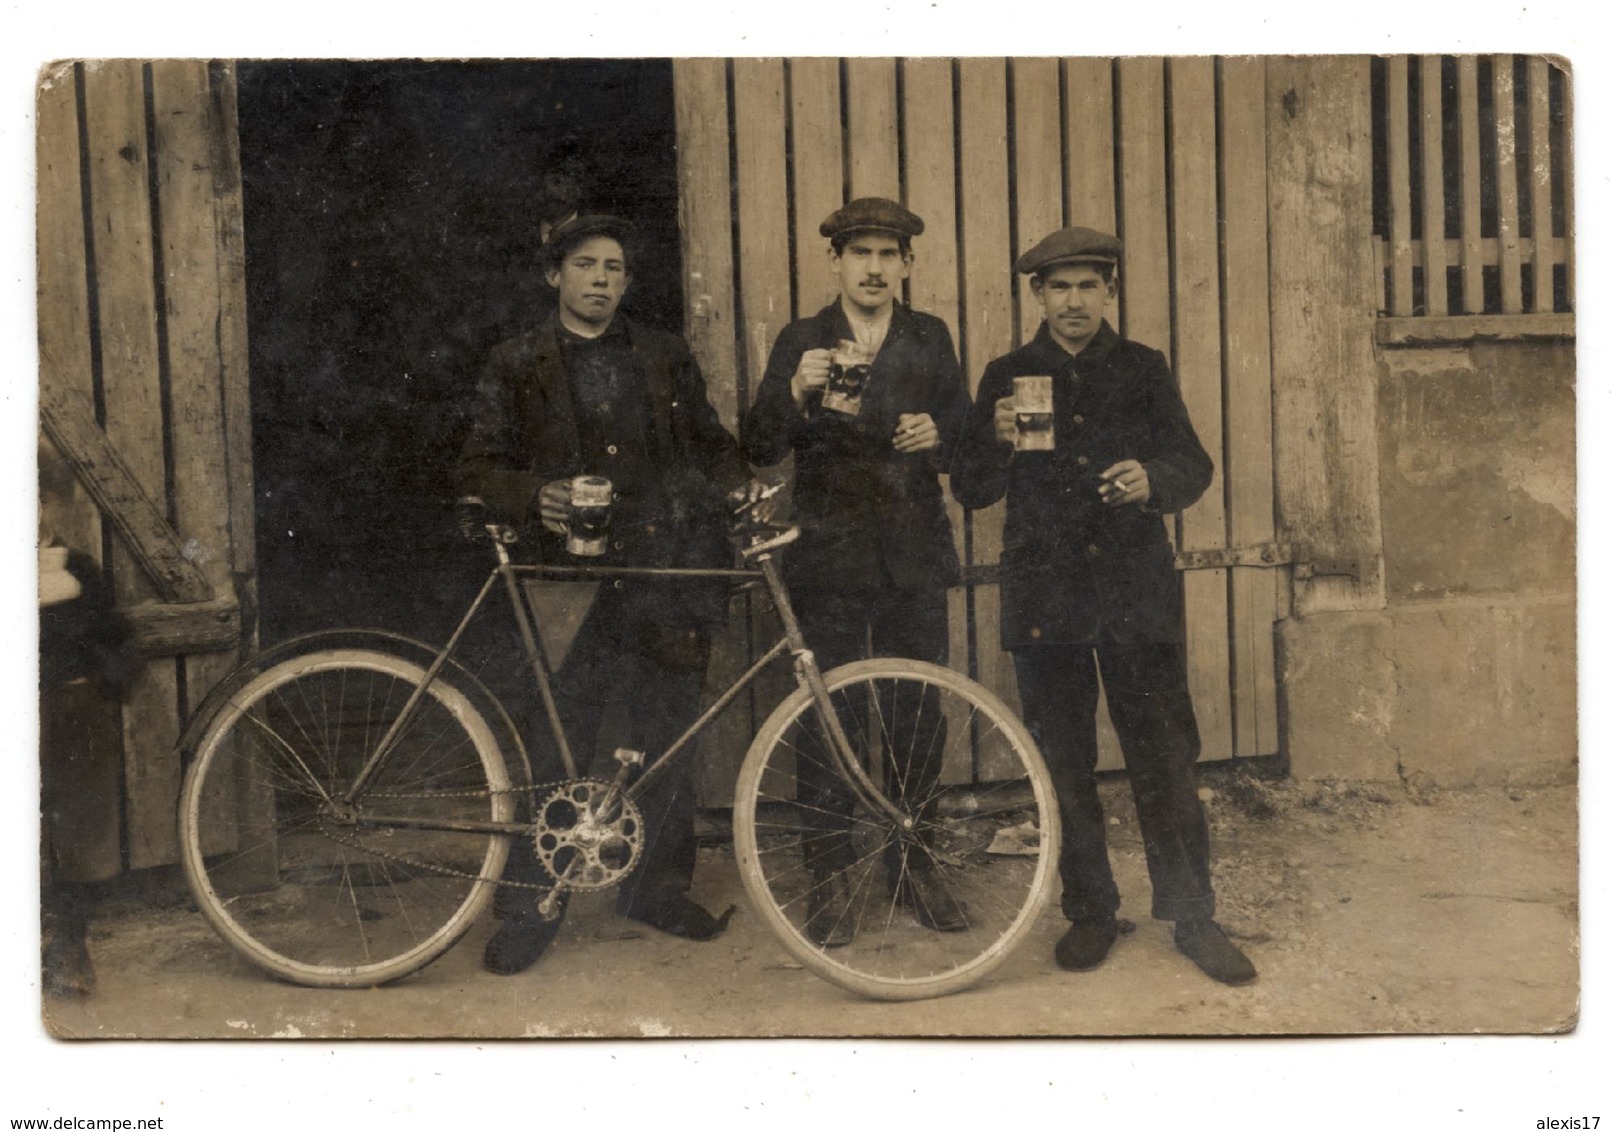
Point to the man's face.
(1075, 297)
(870, 269)
(591, 280)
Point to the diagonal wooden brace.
(69, 418)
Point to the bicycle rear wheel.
(325, 891)
(947, 752)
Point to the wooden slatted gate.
(994, 154)
(143, 388)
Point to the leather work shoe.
(828, 922)
(520, 941)
(1204, 943)
(679, 916)
(1086, 943)
(923, 892)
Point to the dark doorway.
(392, 240)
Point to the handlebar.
(751, 535)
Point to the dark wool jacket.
(867, 513)
(1073, 569)
(523, 434)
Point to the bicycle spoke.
(290, 869)
(904, 881)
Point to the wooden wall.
(143, 389)
(994, 154)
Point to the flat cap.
(873, 214)
(1070, 245)
(577, 228)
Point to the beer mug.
(588, 531)
(848, 367)
(1032, 406)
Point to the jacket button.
(612, 450)
(1078, 419)
(1091, 551)
(618, 544)
(1082, 461)
(617, 583)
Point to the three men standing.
(1089, 585)
(868, 397)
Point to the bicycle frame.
(807, 674)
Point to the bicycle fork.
(809, 674)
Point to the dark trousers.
(1150, 706)
(654, 668)
(840, 627)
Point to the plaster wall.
(1468, 675)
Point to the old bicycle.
(352, 796)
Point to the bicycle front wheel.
(331, 891)
(897, 908)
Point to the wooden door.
(143, 392)
(994, 154)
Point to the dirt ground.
(1368, 909)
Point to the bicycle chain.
(445, 870)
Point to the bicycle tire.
(304, 887)
(959, 837)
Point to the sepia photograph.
(807, 546)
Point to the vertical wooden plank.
(1248, 470)
(818, 175)
(928, 133)
(114, 96)
(79, 731)
(764, 308)
(1195, 216)
(705, 215)
(705, 211)
(875, 167)
(182, 151)
(1570, 195)
(1539, 176)
(1398, 182)
(64, 328)
(1088, 147)
(763, 219)
(1470, 186)
(987, 311)
(1142, 206)
(1435, 256)
(1505, 151)
(228, 210)
(1143, 211)
(1321, 324)
(1037, 131)
(253, 795)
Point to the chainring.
(587, 835)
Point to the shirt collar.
(839, 322)
(616, 331)
(1097, 349)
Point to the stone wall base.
(1455, 692)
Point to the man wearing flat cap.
(594, 393)
(1088, 586)
(876, 554)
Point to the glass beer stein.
(1032, 405)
